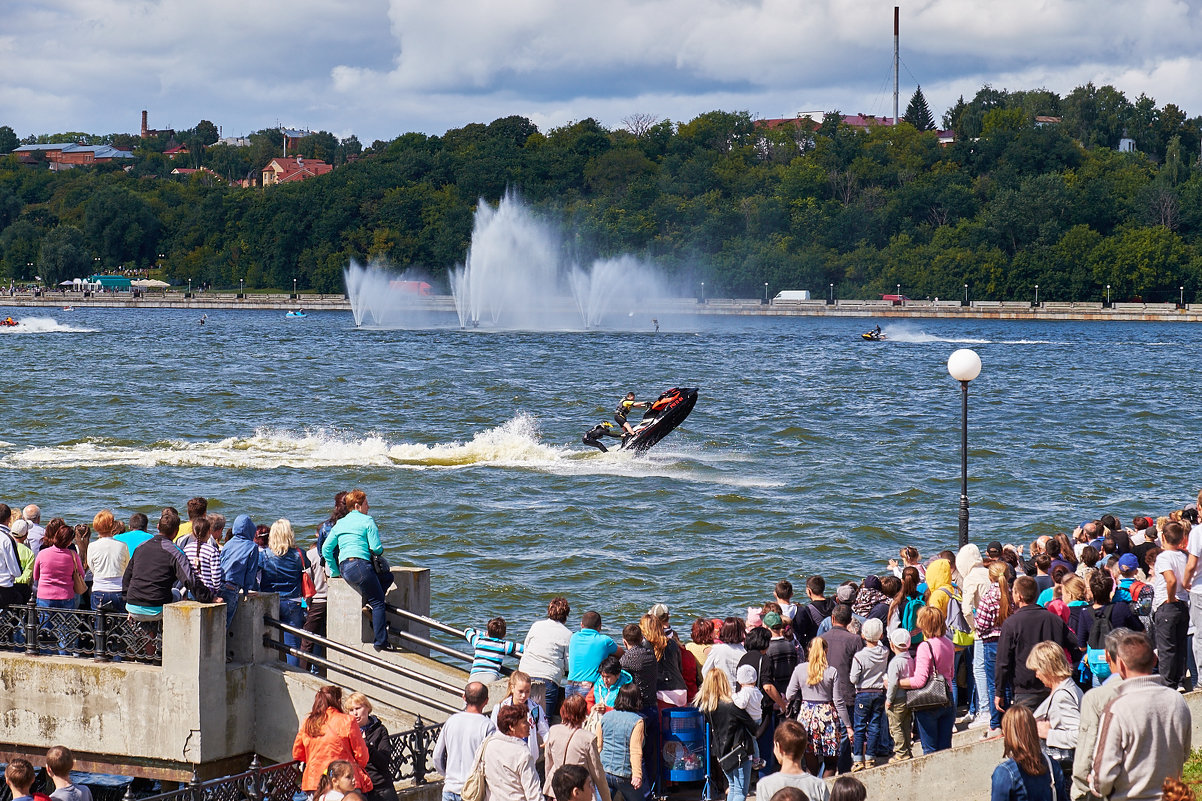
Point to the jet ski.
(873, 336)
(664, 414)
(300, 313)
(8, 322)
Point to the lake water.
(809, 450)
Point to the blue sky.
(379, 68)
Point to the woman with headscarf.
(869, 597)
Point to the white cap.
(746, 674)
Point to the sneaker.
(965, 718)
(980, 722)
(758, 764)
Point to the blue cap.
(1128, 561)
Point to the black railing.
(412, 642)
(102, 635)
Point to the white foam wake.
(43, 325)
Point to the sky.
(380, 68)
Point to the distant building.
(292, 137)
(148, 132)
(810, 120)
(234, 141)
(1126, 144)
(186, 171)
(293, 168)
(174, 149)
(1042, 121)
(64, 156)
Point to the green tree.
(121, 227)
(918, 113)
(206, 132)
(8, 140)
(63, 255)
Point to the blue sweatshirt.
(240, 558)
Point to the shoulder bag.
(935, 694)
(80, 586)
(474, 786)
(308, 588)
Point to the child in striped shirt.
(491, 648)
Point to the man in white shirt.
(459, 740)
(1170, 605)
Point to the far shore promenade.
(912, 309)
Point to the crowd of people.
(1074, 652)
(132, 568)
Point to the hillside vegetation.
(721, 199)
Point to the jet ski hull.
(666, 413)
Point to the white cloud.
(382, 67)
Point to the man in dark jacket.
(639, 662)
(1028, 625)
(154, 570)
(841, 646)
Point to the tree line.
(723, 198)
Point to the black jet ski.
(667, 412)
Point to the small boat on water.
(8, 322)
(297, 313)
(68, 308)
(873, 336)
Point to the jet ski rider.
(624, 407)
(604, 429)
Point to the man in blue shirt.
(586, 649)
(137, 533)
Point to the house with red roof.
(293, 168)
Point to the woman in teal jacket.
(355, 539)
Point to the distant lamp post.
(703, 291)
(832, 293)
(1181, 296)
(189, 286)
(294, 287)
(241, 290)
(765, 291)
(964, 365)
(1108, 294)
(1037, 294)
(966, 293)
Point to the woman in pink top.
(54, 571)
(935, 653)
(55, 567)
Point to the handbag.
(379, 564)
(935, 694)
(474, 785)
(308, 588)
(80, 586)
(734, 758)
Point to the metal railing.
(103, 635)
(414, 642)
(368, 660)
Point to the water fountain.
(515, 278)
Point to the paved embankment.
(946, 310)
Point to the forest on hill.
(723, 198)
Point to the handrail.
(433, 646)
(427, 621)
(371, 659)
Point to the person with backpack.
(810, 616)
(943, 596)
(992, 611)
(1129, 589)
(903, 612)
(1102, 617)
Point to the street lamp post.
(1108, 294)
(241, 288)
(765, 291)
(189, 286)
(964, 365)
(294, 287)
(832, 293)
(703, 291)
(1037, 294)
(1181, 296)
(966, 293)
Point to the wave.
(43, 325)
(514, 444)
(902, 333)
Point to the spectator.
(204, 556)
(241, 562)
(868, 668)
(992, 610)
(519, 696)
(848, 788)
(460, 739)
(379, 749)
(701, 637)
(842, 647)
(1144, 734)
(569, 744)
(196, 508)
(55, 568)
(328, 734)
(1027, 625)
(137, 532)
(508, 763)
(613, 679)
(1093, 703)
(1170, 605)
(1025, 773)
(315, 613)
(107, 559)
(19, 776)
(545, 654)
(356, 540)
(670, 687)
(573, 783)
(10, 570)
(901, 719)
(338, 783)
(59, 763)
(936, 653)
(33, 515)
(154, 569)
(489, 649)
(823, 708)
(789, 743)
(1059, 716)
(586, 650)
(732, 734)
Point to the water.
(809, 450)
